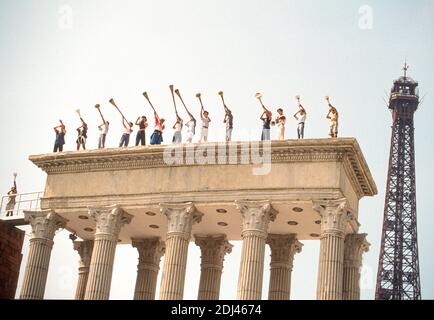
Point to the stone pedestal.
(180, 218)
(213, 250)
(256, 218)
(44, 224)
(150, 253)
(283, 248)
(355, 246)
(84, 249)
(109, 221)
(334, 218)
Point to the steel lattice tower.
(398, 267)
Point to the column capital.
(109, 219)
(44, 223)
(150, 250)
(256, 214)
(213, 249)
(283, 247)
(180, 216)
(355, 245)
(335, 215)
(84, 249)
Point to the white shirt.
(205, 122)
(178, 127)
(128, 130)
(302, 119)
(190, 126)
(105, 130)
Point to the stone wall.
(11, 243)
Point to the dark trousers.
(300, 130)
(58, 147)
(101, 141)
(140, 138)
(125, 140)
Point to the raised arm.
(138, 121)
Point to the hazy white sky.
(57, 56)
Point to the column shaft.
(330, 271)
(335, 216)
(109, 221)
(44, 224)
(283, 248)
(146, 283)
(256, 218)
(252, 267)
(213, 250)
(101, 269)
(35, 276)
(180, 221)
(150, 252)
(175, 264)
(355, 246)
(84, 249)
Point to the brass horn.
(173, 98)
(112, 101)
(198, 95)
(97, 106)
(182, 100)
(78, 112)
(258, 95)
(223, 99)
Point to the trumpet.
(78, 112)
(15, 176)
(327, 98)
(297, 97)
(97, 106)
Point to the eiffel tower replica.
(398, 267)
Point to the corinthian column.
(256, 218)
(334, 217)
(44, 224)
(84, 249)
(150, 253)
(355, 245)
(180, 219)
(283, 248)
(109, 221)
(213, 249)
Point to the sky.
(57, 56)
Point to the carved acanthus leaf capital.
(109, 220)
(180, 216)
(335, 215)
(256, 214)
(283, 247)
(355, 245)
(150, 250)
(213, 249)
(44, 223)
(84, 249)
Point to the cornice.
(344, 150)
